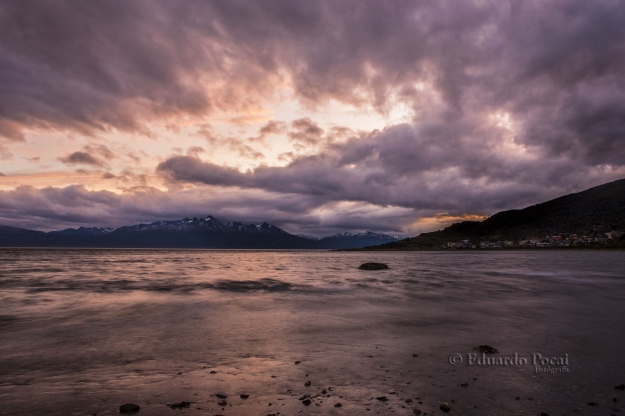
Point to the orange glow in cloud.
(442, 220)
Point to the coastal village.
(554, 240)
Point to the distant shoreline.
(450, 250)
(579, 248)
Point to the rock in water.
(129, 408)
(486, 349)
(445, 407)
(373, 266)
(181, 405)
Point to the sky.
(317, 116)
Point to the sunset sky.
(316, 116)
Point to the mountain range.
(593, 212)
(186, 233)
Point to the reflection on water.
(84, 331)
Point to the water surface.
(84, 331)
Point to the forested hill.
(594, 211)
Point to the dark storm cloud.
(191, 169)
(434, 167)
(81, 158)
(27, 206)
(556, 69)
(86, 66)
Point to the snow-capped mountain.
(206, 232)
(355, 240)
(209, 223)
(251, 228)
(84, 232)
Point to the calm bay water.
(84, 331)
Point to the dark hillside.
(594, 211)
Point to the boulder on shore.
(373, 266)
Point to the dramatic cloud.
(73, 206)
(557, 67)
(432, 168)
(501, 104)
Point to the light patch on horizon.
(442, 220)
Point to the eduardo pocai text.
(539, 362)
